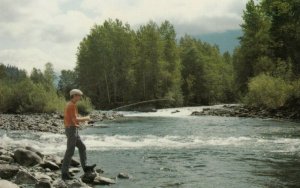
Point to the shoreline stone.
(43, 122)
(249, 112)
(42, 175)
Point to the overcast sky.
(33, 32)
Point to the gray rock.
(123, 176)
(42, 177)
(74, 170)
(99, 180)
(50, 165)
(25, 178)
(57, 160)
(9, 159)
(7, 184)
(2, 151)
(4, 162)
(74, 163)
(77, 184)
(35, 151)
(26, 157)
(43, 184)
(8, 171)
(59, 184)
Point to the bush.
(85, 106)
(5, 97)
(267, 91)
(25, 96)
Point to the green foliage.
(5, 96)
(20, 94)
(25, 96)
(249, 58)
(269, 46)
(207, 75)
(105, 63)
(11, 73)
(67, 81)
(116, 65)
(84, 106)
(267, 91)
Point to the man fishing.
(71, 122)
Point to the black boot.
(66, 176)
(89, 168)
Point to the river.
(167, 149)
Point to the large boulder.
(8, 171)
(24, 177)
(26, 157)
(7, 184)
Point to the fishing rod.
(142, 102)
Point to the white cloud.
(35, 32)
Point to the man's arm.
(83, 119)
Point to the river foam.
(55, 143)
(170, 112)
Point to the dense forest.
(117, 65)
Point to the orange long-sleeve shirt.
(70, 114)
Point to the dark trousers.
(73, 139)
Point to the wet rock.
(74, 162)
(43, 184)
(100, 171)
(59, 184)
(3, 162)
(74, 170)
(123, 176)
(7, 184)
(6, 158)
(24, 177)
(196, 113)
(35, 151)
(89, 177)
(176, 111)
(77, 184)
(8, 171)
(41, 177)
(50, 165)
(2, 151)
(26, 157)
(99, 180)
(53, 158)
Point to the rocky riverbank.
(27, 167)
(47, 122)
(251, 112)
